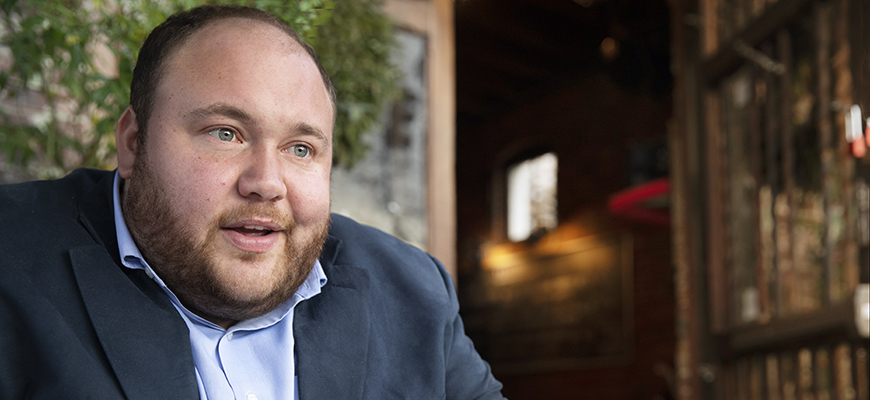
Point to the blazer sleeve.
(467, 375)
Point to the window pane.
(532, 196)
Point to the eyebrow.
(220, 109)
(236, 113)
(308, 130)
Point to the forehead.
(245, 29)
(234, 55)
(229, 36)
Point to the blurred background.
(638, 199)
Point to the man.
(207, 265)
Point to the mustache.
(258, 212)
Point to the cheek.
(310, 199)
(209, 182)
(197, 187)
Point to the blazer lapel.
(331, 332)
(145, 340)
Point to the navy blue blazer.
(75, 324)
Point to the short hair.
(167, 37)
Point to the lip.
(253, 244)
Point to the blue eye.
(223, 134)
(301, 151)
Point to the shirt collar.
(132, 258)
(126, 246)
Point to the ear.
(127, 139)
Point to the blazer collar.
(96, 214)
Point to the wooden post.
(683, 145)
(435, 20)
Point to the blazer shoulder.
(41, 219)
(389, 260)
(364, 242)
(50, 196)
(352, 232)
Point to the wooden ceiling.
(511, 52)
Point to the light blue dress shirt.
(254, 359)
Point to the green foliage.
(354, 47)
(59, 101)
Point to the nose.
(263, 179)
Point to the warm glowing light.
(563, 239)
(609, 48)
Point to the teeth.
(255, 227)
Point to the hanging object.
(855, 131)
(647, 202)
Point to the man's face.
(229, 198)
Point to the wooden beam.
(833, 323)
(726, 59)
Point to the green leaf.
(32, 21)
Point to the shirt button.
(230, 337)
(149, 273)
(251, 396)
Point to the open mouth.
(252, 230)
(254, 235)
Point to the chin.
(249, 279)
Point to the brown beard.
(188, 267)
